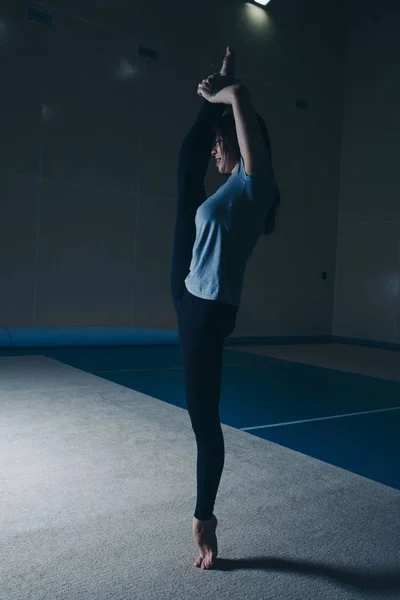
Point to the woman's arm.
(251, 144)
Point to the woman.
(214, 239)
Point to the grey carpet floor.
(97, 493)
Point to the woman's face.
(226, 159)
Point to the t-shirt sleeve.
(242, 171)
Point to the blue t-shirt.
(228, 226)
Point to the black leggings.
(203, 324)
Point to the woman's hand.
(218, 89)
(209, 87)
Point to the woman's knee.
(206, 426)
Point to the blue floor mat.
(259, 390)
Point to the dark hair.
(227, 130)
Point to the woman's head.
(226, 150)
(227, 155)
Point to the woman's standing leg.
(203, 328)
(202, 350)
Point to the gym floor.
(335, 402)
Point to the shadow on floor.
(351, 578)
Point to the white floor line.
(368, 412)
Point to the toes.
(208, 561)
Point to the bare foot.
(228, 64)
(205, 538)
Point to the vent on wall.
(147, 53)
(38, 16)
(303, 104)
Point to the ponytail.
(272, 213)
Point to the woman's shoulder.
(263, 170)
